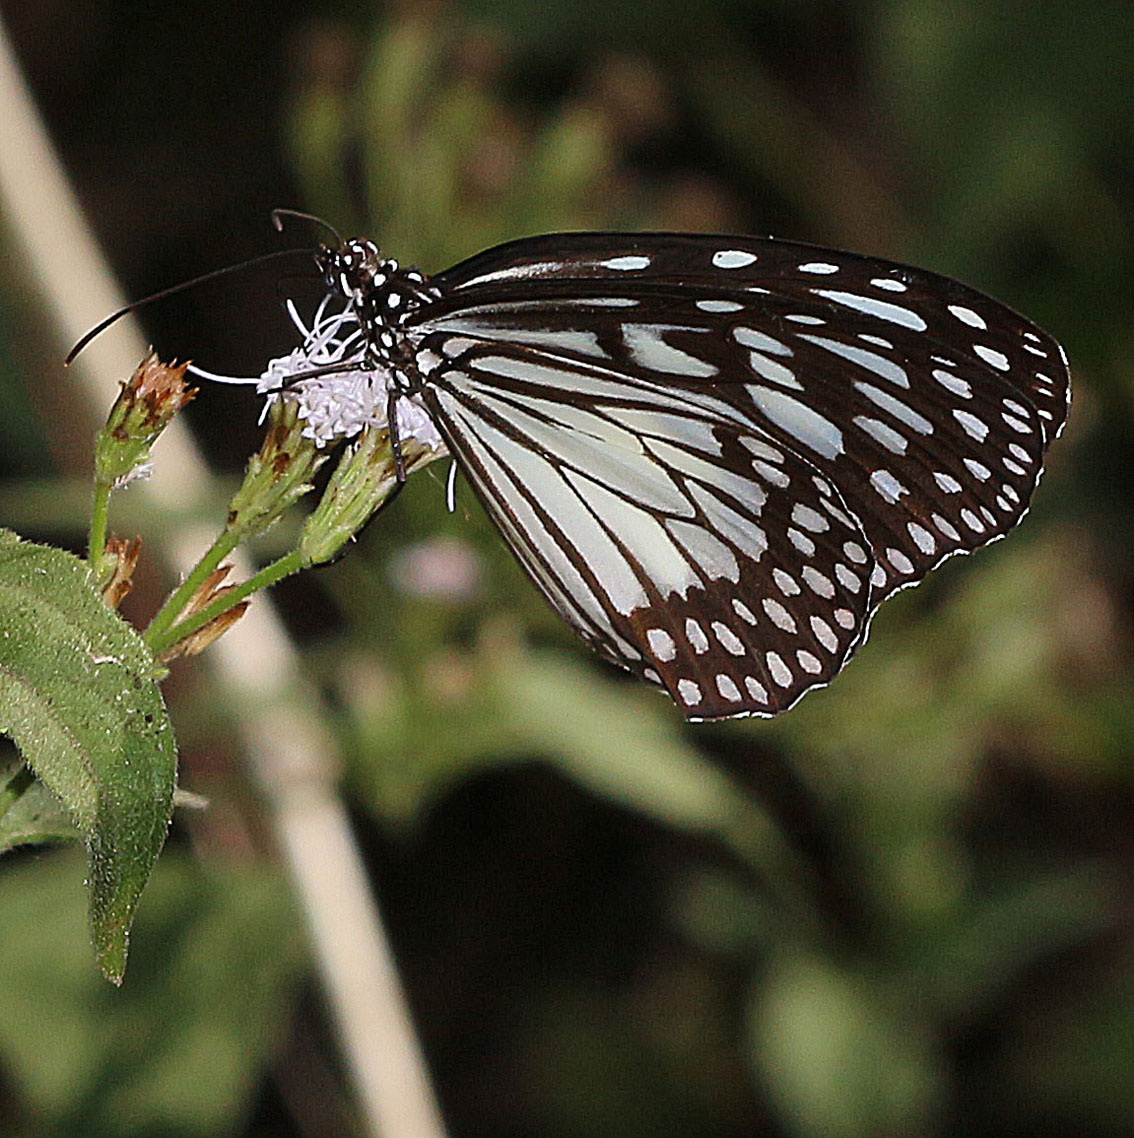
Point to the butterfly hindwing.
(658, 524)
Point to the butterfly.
(714, 456)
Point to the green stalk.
(96, 539)
(169, 633)
(169, 612)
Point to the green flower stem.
(169, 612)
(167, 636)
(96, 542)
(15, 788)
(274, 479)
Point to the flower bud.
(278, 476)
(145, 405)
(364, 479)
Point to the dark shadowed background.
(903, 908)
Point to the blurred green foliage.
(902, 908)
(178, 1050)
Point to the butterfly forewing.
(928, 404)
(694, 266)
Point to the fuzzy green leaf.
(79, 696)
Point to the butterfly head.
(354, 269)
(378, 289)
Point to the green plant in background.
(79, 687)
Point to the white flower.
(338, 404)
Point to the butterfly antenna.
(102, 325)
(278, 216)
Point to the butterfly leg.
(395, 437)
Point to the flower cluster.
(321, 393)
(339, 399)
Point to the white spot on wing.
(762, 449)
(780, 672)
(695, 634)
(779, 615)
(743, 611)
(661, 644)
(818, 583)
(649, 350)
(887, 485)
(897, 407)
(968, 316)
(973, 427)
(801, 541)
(946, 527)
(728, 639)
(824, 633)
(753, 338)
(972, 521)
(773, 370)
(991, 356)
(922, 538)
(881, 433)
(884, 310)
(953, 383)
(786, 583)
(798, 420)
(809, 519)
(628, 263)
(689, 692)
(756, 689)
(733, 259)
(872, 361)
(844, 618)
